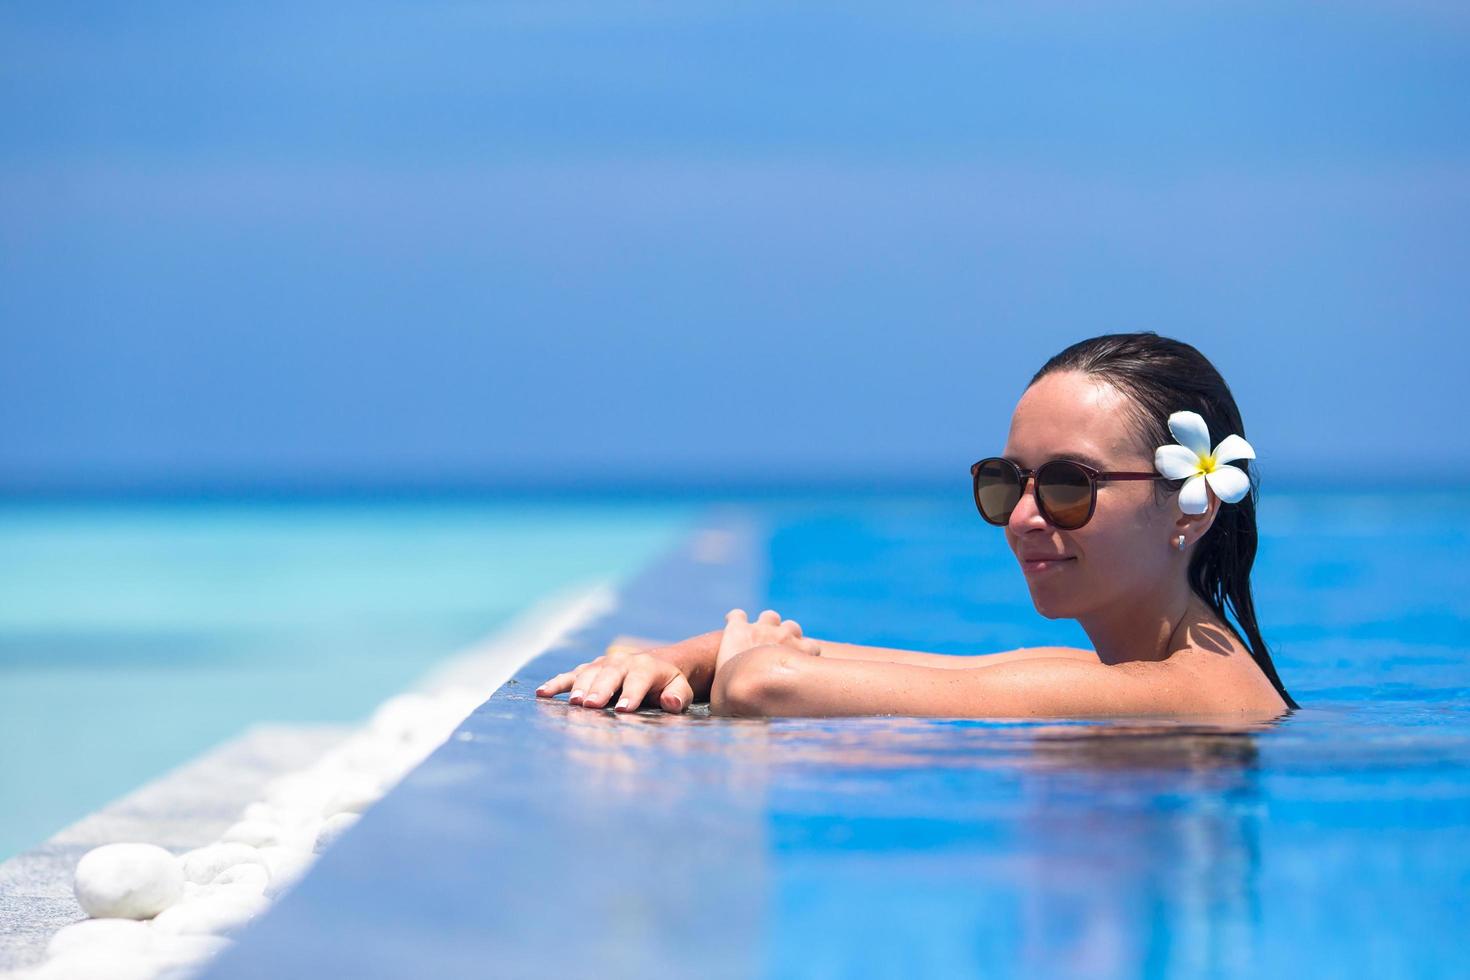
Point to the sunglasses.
(1066, 490)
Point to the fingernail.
(576, 696)
(623, 703)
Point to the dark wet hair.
(1163, 376)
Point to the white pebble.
(203, 864)
(360, 753)
(290, 820)
(298, 792)
(256, 833)
(332, 828)
(94, 965)
(101, 935)
(251, 878)
(214, 913)
(403, 716)
(128, 881)
(177, 949)
(262, 811)
(352, 795)
(286, 865)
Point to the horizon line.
(624, 486)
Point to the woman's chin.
(1051, 606)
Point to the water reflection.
(1086, 848)
(1141, 850)
(653, 756)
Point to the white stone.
(353, 795)
(256, 833)
(128, 881)
(203, 864)
(298, 792)
(286, 865)
(213, 913)
(262, 811)
(101, 935)
(304, 835)
(402, 716)
(459, 703)
(94, 965)
(360, 753)
(175, 949)
(289, 819)
(251, 878)
(332, 828)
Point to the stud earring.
(1180, 543)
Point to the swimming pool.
(133, 636)
(542, 838)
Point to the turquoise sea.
(134, 636)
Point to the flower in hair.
(1192, 461)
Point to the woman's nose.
(1025, 514)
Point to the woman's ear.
(1194, 526)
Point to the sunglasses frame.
(1094, 477)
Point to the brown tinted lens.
(1065, 492)
(997, 490)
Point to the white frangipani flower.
(1191, 460)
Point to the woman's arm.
(773, 680)
(691, 668)
(696, 655)
(852, 651)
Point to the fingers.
(603, 685)
(583, 680)
(570, 681)
(594, 684)
(643, 675)
(637, 676)
(810, 647)
(556, 685)
(768, 617)
(677, 695)
(792, 625)
(652, 675)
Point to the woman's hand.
(638, 674)
(768, 629)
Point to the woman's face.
(1124, 550)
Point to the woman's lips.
(1043, 564)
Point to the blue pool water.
(1334, 842)
(134, 636)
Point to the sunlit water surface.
(1333, 842)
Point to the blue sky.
(328, 243)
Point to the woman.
(1144, 545)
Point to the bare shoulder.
(1225, 677)
(1214, 674)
